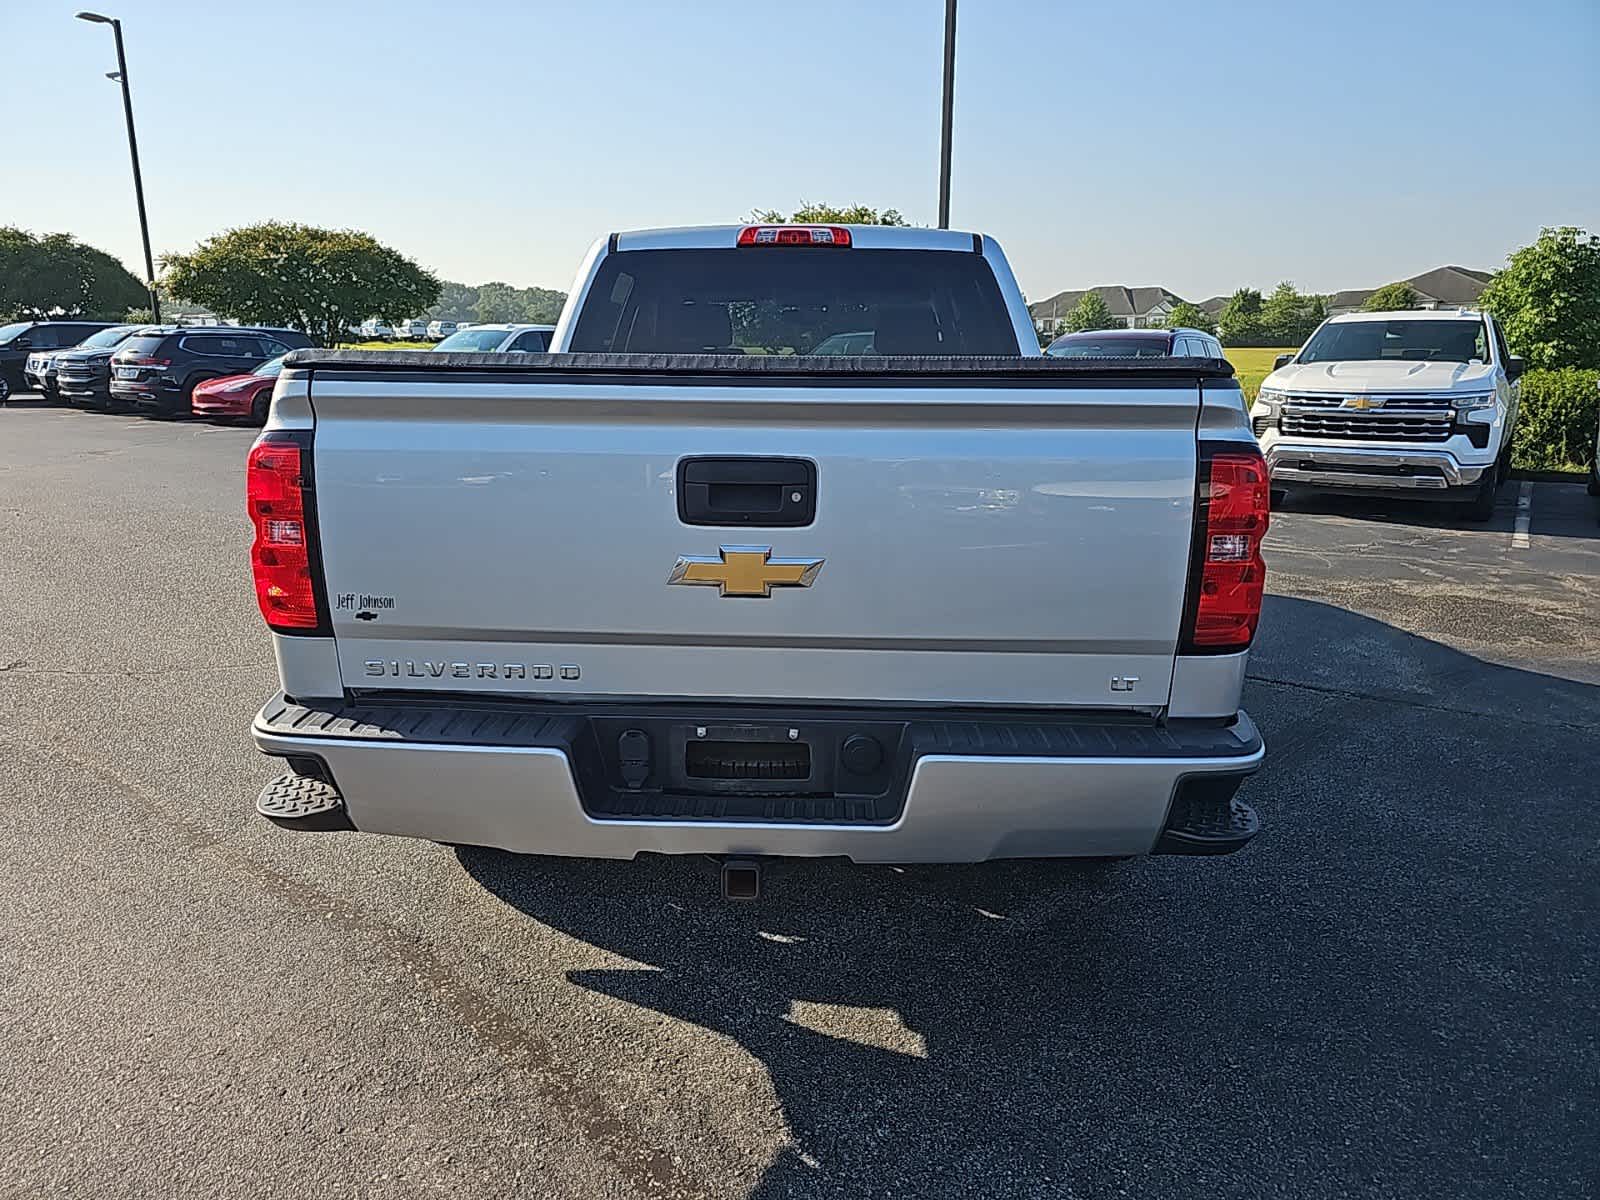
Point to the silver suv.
(1178, 342)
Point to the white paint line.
(1519, 536)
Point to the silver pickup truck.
(692, 583)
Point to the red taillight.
(1228, 576)
(145, 362)
(794, 235)
(275, 493)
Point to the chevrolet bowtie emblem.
(745, 571)
(1363, 401)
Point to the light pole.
(121, 77)
(949, 111)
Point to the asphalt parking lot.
(1391, 993)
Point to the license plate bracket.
(747, 759)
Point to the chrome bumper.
(1343, 467)
(958, 809)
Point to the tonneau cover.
(1040, 368)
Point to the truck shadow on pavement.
(1385, 993)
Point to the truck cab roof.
(865, 237)
(809, 270)
(1407, 314)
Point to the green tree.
(58, 276)
(496, 302)
(541, 306)
(1191, 316)
(455, 302)
(1239, 322)
(321, 281)
(1391, 297)
(1288, 317)
(1089, 313)
(828, 214)
(1548, 299)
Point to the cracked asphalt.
(1391, 993)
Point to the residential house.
(1133, 307)
(1442, 287)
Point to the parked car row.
(218, 371)
(26, 348)
(1422, 403)
(375, 329)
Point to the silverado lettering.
(408, 668)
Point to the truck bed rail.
(843, 369)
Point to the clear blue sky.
(1197, 145)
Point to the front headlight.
(1473, 400)
(1271, 397)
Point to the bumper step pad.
(1206, 823)
(301, 802)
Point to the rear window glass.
(144, 344)
(230, 346)
(795, 301)
(1075, 346)
(467, 340)
(1438, 340)
(106, 337)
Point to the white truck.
(1415, 403)
(680, 586)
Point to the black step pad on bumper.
(1206, 818)
(302, 802)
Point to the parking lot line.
(1519, 535)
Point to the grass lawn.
(387, 345)
(1252, 364)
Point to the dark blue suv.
(158, 371)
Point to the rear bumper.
(207, 405)
(1084, 793)
(1418, 470)
(90, 391)
(147, 395)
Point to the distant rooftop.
(1446, 286)
(1122, 301)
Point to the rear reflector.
(1227, 574)
(794, 235)
(276, 490)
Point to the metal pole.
(949, 111)
(138, 180)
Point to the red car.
(238, 395)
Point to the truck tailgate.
(1016, 542)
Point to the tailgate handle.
(770, 492)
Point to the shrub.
(1557, 424)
